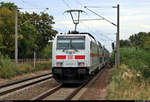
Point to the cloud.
(145, 26)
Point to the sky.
(134, 16)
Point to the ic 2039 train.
(76, 57)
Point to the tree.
(26, 44)
(7, 12)
(34, 31)
(1, 44)
(125, 43)
(147, 43)
(46, 53)
(137, 40)
(43, 24)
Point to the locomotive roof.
(76, 32)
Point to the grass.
(127, 84)
(8, 70)
(138, 60)
(132, 80)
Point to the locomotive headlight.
(59, 64)
(81, 64)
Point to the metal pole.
(16, 37)
(75, 27)
(34, 58)
(118, 42)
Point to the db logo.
(70, 57)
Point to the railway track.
(75, 92)
(20, 84)
(56, 92)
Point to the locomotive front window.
(71, 42)
(78, 44)
(63, 44)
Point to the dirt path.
(98, 90)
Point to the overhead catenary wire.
(92, 19)
(22, 2)
(100, 16)
(98, 37)
(66, 4)
(106, 36)
(100, 33)
(31, 18)
(25, 2)
(101, 6)
(34, 7)
(96, 34)
(77, 1)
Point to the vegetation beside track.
(8, 69)
(127, 84)
(34, 32)
(136, 59)
(132, 80)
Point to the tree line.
(34, 32)
(139, 40)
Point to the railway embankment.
(132, 80)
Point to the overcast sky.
(134, 16)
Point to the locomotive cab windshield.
(70, 42)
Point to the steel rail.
(22, 80)
(48, 93)
(24, 85)
(75, 92)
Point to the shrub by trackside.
(41, 66)
(127, 84)
(136, 59)
(7, 67)
(24, 68)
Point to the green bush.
(42, 66)
(24, 68)
(7, 67)
(137, 59)
(46, 53)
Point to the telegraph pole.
(16, 37)
(118, 32)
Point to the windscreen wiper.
(74, 48)
(64, 49)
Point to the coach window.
(100, 59)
